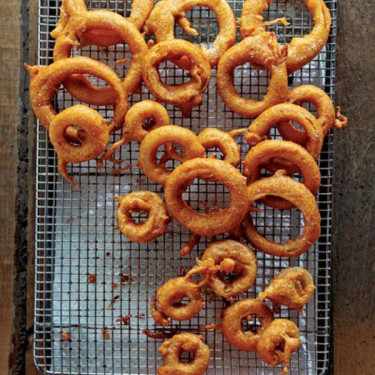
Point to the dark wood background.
(353, 266)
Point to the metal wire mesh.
(76, 239)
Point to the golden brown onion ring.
(156, 222)
(171, 351)
(301, 50)
(292, 287)
(264, 151)
(185, 95)
(245, 266)
(245, 309)
(278, 342)
(301, 197)
(162, 19)
(211, 223)
(261, 51)
(161, 136)
(45, 81)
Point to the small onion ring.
(300, 196)
(185, 95)
(290, 151)
(301, 50)
(45, 80)
(165, 135)
(232, 323)
(171, 350)
(157, 220)
(211, 223)
(261, 50)
(245, 264)
(212, 137)
(162, 19)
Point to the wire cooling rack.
(78, 329)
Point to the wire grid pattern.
(76, 235)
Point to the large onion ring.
(161, 136)
(45, 80)
(162, 19)
(245, 266)
(171, 350)
(212, 223)
(157, 220)
(232, 323)
(299, 196)
(301, 50)
(188, 94)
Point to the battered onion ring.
(162, 19)
(157, 220)
(292, 287)
(188, 94)
(76, 25)
(164, 135)
(212, 137)
(245, 266)
(301, 50)
(172, 349)
(261, 50)
(247, 308)
(211, 223)
(278, 342)
(94, 139)
(45, 80)
(299, 196)
(293, 153)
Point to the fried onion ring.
(157, 220)
(185, 95)
(212, 137)
(45, 81)
(261, 51)
(278, 342)
(211, 223)
(164, 135)
(292, 287)
(171, 350)
(301, 50)
(264, 151)
(300, 197)
(246, 309)
(245, 266)
(162, 19)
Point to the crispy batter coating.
(211, 223)
(292, 287)
(246, 309)
(171, 350)
(278, 342)
(157, 220)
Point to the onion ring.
(164, 135)
(157, 220)
(290, 151)
(245, 265)
(212, 223)
(292, 287)
(301, 50)
(278, 342)
(188, 94)
(45, 80)
(212, 137)
(299, 196)
(162, 19)
(171, 350)
(261, 50)
(247, 308)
